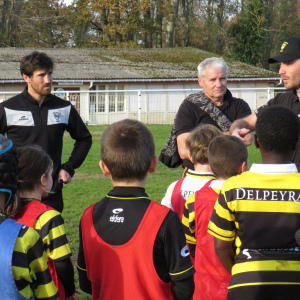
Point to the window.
(112, 101)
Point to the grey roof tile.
(74, 63)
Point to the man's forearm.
(182, 149)
(246, 123)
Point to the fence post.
(88, 108)
(269, 94)
(139, 105)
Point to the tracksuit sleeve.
(83, 142)
(3, 122)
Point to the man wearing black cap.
(289, 60)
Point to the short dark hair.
(277, 129)
(198, 140)
(226, 153)
(33, 163)
(8, 171)
(127, 149)
(35, 61)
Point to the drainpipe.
(88, 103)
(280, 82)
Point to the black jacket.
(26, 122)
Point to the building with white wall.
(106, 85)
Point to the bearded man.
(36, 117)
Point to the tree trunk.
(159, 23)
(220, 21)
(171, 23)
(269, 15)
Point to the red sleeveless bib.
(211, 278)
(27, 215)
(127, 271)
(177, 200)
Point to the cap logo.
(283, 46)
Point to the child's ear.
(104, 168)
(153, 164)
(211, 170)
(43, 180)
(190, 157)
(243, 167)
(256, 141)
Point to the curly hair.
(277, 129)
(198, 140)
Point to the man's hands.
(244, 134)
(65, 177)
(243, 129)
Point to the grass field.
(89, 185)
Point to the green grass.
(89, 185)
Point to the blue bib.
(9, 231)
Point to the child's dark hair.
(277, 129)
(226, 153)
(198, 140)
(35, 61)
(127, 149)
(8, 175)
(33, 163)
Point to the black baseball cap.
(290, 50)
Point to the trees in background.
(246, 30)
(31, 23)
(248, 35)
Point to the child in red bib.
(197, 144)
(132, 247)
(227, 157)
(34, 182)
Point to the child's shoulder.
(51, 218)
(26, 239)
(239, 179)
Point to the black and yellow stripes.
(30, 268)
(266, 273)
(50, 226)
(259, 201)
(260, 213)
(188, 220)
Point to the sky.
(68, 2)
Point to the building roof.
(103, 64)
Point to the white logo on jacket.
(18, 117)
(59, 115)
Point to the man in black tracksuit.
(37, 117)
